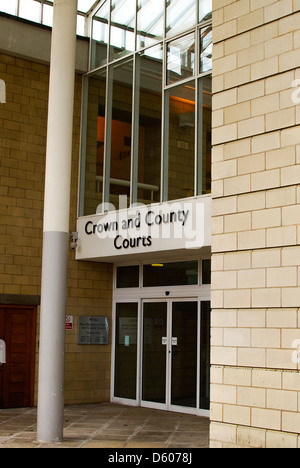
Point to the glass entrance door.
(154, 357)
(162, 354)
(170, 355)
(183, 354)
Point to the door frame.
(140, 296)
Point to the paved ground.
(107, 426)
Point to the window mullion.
(198, 117)
(107, 139)
(199, 136)
(135, 129)
(165, 130)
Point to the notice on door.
(93, 330)
(127, 331)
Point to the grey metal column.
(56, 222)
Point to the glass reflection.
(150, 117)
(93, 140)
(205, 49)
(122, 28)
(121, 128)
(153, 151)
(205, 10)
(181, 15)
(100, 36)
(181, 141)
(204, 135)
(48, 15)
(9, 7)
(181, 59)
(85, 5)
(126, 350)
(150, 26)
(31, 10)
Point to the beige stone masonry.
(267, 400)
(23, 128)
(255, 384)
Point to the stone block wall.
(23, 130)
(255, 379)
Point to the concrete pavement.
(107, 426)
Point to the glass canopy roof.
(41, 11)
(123, 13)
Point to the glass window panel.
(80, 30)
(205, 49)
(128, 276)
(150, 26)
(150, 117)
(93, 139)
(181, 141)
(181, 15)
(184, 354)
(85, 5)
(48, 15)
(126, 350)
(205, 355)
(31, 10)
(9, 6)
(122, 28)
(171, 274)
(181, 59)
(100, 36)
(154, 329)
(121, 130)
(204, 136)
(206, 271)
(205, 10)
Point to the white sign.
(144, 229)
(93, 330)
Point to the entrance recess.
(162, 354)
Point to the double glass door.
(162, 354)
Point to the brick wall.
(255, 379)
(23, 128)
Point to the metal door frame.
(169, 300)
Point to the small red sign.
(69, 322)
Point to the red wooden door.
(17, 328)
